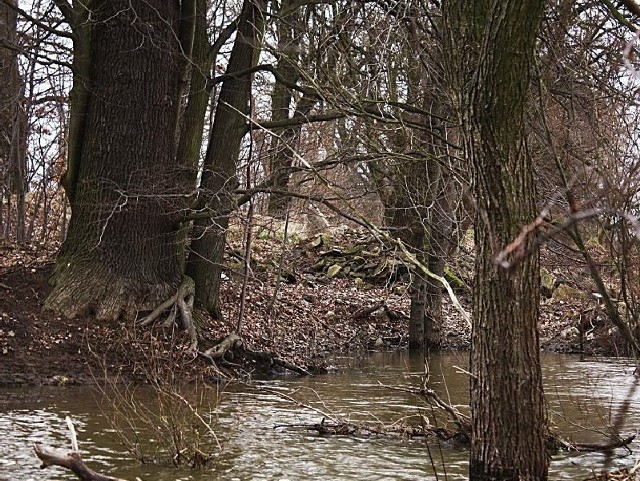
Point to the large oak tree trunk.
(122, 252)
(219, 178)
(494, 45)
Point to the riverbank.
(302, 307)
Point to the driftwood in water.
(70, 460)
(462, 421)
(342, 428)
(558, 442)
(554, 441)
(233, 346)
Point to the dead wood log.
(460, 420)
(70, 460)
(367, 311)
(598, 447)
(341, 427)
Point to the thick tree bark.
(494, 44)
(122, 252)
(219, 177)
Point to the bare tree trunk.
(284, 139)
(122, 254)
(13, 121)
(491, 77)
(219, 178)
(438, 237)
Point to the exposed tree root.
(232, 347)
(181, 302)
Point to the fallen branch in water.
(70, 460)
(594, 447)
(399, 431)
(332, 425)
(554, 441)
(461, 421)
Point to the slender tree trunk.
(13, 121)
(409, 213)
(283, 140)
(494, 45)
(437, 237)
(122, 252)
(219, 178)
(194, 116)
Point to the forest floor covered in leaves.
(320, 297)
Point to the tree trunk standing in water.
(409, 212)
(492, 44)
(122, 252)
(219, 177)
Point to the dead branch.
(367, 311)
(343, 428)
(331, 425)
(461, 421)
(70, 460)
(600, 447)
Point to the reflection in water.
(263, 439)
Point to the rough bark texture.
(495, 44)
(219, 177)
(121, 254)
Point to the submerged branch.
(70, 460)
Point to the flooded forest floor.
(321, 296)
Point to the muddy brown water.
(260, 433)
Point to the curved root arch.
(180, 303)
